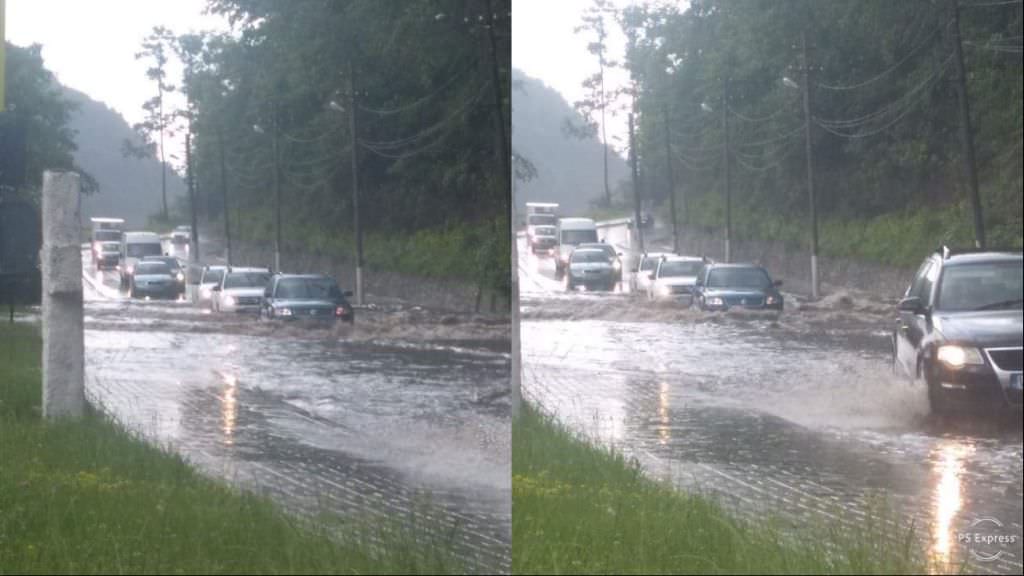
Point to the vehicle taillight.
(340, 311)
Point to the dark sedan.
(725, 286)
(176, 270)
(959, 328)
(153, 280)
(305, 297)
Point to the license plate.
(1015, 381)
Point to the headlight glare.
(958, 356)
(715, 301)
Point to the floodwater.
(400, 416)
(798, 414)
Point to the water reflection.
(949, 467)
(664, 435)
(229, 408)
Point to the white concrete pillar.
(61, 260)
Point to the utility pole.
(506, 164)
(636, 183)
(224, 196)
(191, 178)
(277, 191)
(671, 183)
(966, 131)
(355, 184)
(726, 168)
(805, 65)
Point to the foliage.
(885, 132)
(428, 154)
(34, 96)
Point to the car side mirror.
(777, 283)
(912, 304)
(347, 293)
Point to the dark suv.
(305, 297)
(959, 328)
(725, 286)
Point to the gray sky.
(90, 45)
(544, 46)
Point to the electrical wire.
(774, 139)
(409, 140)
(421, 100)
(903, 100)
(889, 70)
(777, 163)
(762, 118)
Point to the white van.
(571, 233)
(134, 247)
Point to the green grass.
(87, 497)
(582, 509)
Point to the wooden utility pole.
(224, 196)
(353, 128)
(636, 183)
(966, 131)
(193, 236)
(671, 183)
(726, 168)
(812, 196)
(277, 190)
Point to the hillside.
(128, 188)
(569, 171)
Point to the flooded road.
(796, 414)
(400, 418)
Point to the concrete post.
(61, 259)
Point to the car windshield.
(738, 278)
(679, 268)
(541, 219)
(102, 235)
(110, 247)
(146, 268)
(246, 280)
(307, 289)
(981, 286)
(213, 276)
(649, 264)
(544, 231)
(143, 249)
(170, 261)
(578, 236)
(589, 256)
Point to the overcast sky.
(544, 46)
(90, 45)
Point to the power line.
(774, 139)
(889, 108)
(409, 140)
(777, 163)
(417, 102)
(762, 118)
(996, 3)
(889, 70)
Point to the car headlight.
(617, 265)
(715, 301)
(284, 312)
(131, 269)
(664, 291)
(228, 301)
(180, 277)
(959, 356)
(771, 300)
(204, 292)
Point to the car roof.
(677, 258)
(576, 221)
(140, 235)
(215, 267)
(309, 276)
(595, 245)
(734, 265)
(597, 250)
(161, 258)
(976, 257)
(246, 269)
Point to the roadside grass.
(88, 497)
(582, 509)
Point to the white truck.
(105, 241)
(541, 224)
(571, 233)
(134, 247)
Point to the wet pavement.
(404, 416)
(797, 414)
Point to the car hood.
(300, 304)
(984, 328)
(590, 266)
(755, 292)
(153, 278)
(677, 281)
(243, 291)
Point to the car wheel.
(937, 400)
